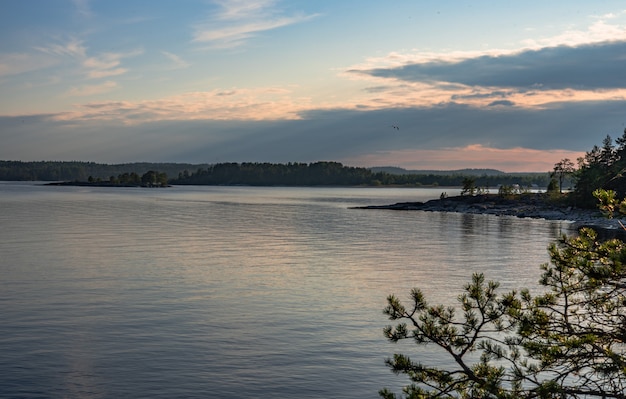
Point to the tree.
(553, 186)
(567, 342)
(469, 186)
(561, 170)
(608, 152)
(149, 178)
(601, 168)
(161, 179)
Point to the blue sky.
(515, 86)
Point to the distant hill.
(466, 172)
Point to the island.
(149, 179)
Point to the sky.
(417, 84)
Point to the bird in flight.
(395, 127)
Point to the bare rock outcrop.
(535, 205)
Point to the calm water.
(217, 292)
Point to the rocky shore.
(536, 206)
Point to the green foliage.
(512, 192)
(76, 171)
(325, 173)
(553, 186)
(249, 173)
(576, 330)
(148, 179)
(291, 174)
(566, 342)
(601, 168)
(609, 204)
(483, 311)
(507, 191)
(469, 186)
(561, 170)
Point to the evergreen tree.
(562, 169)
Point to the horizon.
(282, 163)
(469, 85)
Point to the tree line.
(80, 171)
(335, 173)
(254, 174)
(151, 178)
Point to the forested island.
(336, 174)
(149, 179)
(258, 174)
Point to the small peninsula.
(529, 205)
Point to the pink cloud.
(267, 103)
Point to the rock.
(536, 206)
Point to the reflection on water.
(229, 291)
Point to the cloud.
(107, 64)
(569, 126)
(575, 66)
(18, 63)
(99, 66)
(83, 8)
(527, 79)
(240, 9)
(72, 48)
(178, 63)
(498, 103)
(556, 68)
(236, 21)
(598, 32)
(194, 128)
(44, 57)
(233, 36)
(90, 90)
(265, 103)
(103, 73)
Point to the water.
(229, 292)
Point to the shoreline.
(534, 206)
